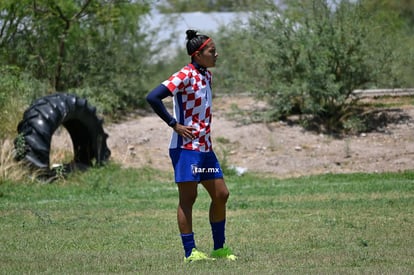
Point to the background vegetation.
(301, 56)
(310, 57)
(96, 49)
(173, 6)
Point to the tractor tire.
(45, 115)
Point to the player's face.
(208, 56)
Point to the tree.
(405, 11)
(176, 6)
(315, 54)
(95, 47)
(404, 8)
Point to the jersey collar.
(199, 68)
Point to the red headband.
(201, 47)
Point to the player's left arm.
(154, 98)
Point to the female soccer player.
(191, 150)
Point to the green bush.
(96, 48)
(310, 57)
(17, 90)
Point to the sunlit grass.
(113, 220)
(10, 170)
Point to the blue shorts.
(196, 166)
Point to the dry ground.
(278, 148)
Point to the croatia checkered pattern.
(192, 107)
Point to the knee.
(188, 199)
(223, 196)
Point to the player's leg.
(216, 187)
(187, 197)
(187, 194)
(219, 194)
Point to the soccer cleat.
(224, 253)
(196, 256)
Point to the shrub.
(10, 170)
(17, 90)
(308, 58)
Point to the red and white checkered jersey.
(192, 107)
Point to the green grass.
(113, 220)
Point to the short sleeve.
(178, 81)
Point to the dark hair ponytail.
(194, 41)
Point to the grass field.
(113, 220)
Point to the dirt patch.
(278, 148)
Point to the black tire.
(45, 115)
